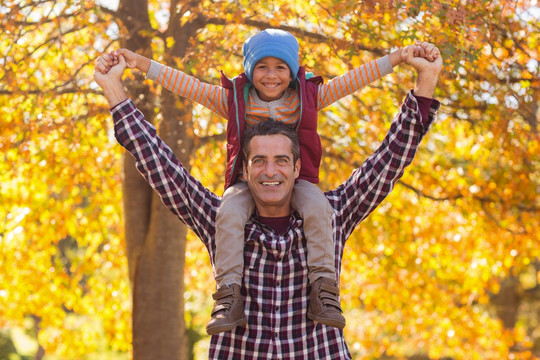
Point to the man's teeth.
(270, 183)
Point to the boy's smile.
(271, 77)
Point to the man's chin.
(271, 201)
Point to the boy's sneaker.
(324, 304)
(228, 311)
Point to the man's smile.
(271, 183)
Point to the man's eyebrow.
(280, 156)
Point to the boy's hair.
(271, 127)
(271, 42)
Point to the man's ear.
(297, 167)
(244, 169)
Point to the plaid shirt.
(276, 286)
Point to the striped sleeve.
(352, 81)
(213, 97)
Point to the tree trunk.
(155, 238)
(507, 302)
(40, 353)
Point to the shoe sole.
(326, 321)
(227, 327)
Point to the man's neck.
(272, 211)
(278, 224)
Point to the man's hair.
(272, 127)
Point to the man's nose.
(270, 169)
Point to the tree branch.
(427, 196)
(319, 38)
(106, 10)
(204, 140)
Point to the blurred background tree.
(93, 264)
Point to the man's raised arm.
(183, 195)
(376, 177)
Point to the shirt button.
(277, 308)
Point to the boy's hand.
(130, 56)
(423, 50)
(133, 60)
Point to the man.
(275, 282)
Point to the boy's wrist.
(143, 63)
(395, 57)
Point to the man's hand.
(109, 78)
(423, 57)
(426, 59)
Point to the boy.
(273, 86)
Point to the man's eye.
(283, 161)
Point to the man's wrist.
(115, 94)
(426, 84)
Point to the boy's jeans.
(236, 208)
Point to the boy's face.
(271, 77)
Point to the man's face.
(270, 172)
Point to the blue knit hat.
(271, 42)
